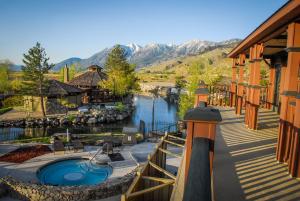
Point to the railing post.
(201, 129)
(201, 94)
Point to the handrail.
(152, 180)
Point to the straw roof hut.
(60, 89)
(89, 79)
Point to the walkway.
(245, 167)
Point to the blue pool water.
(73, 172)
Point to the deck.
(245, 167)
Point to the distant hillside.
(150, 54)
(166, 71)
(69, 62)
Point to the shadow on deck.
(245, 167)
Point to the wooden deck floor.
(245, 167)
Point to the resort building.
(59, 97)
(89, 82)
(254, 152)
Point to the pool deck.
(26, 171)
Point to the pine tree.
(4, 81)
(36, 66)
(122, 79)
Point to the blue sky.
(80, 28)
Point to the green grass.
(25, 139)
(4, 110)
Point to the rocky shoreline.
(95, 116)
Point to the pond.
(165, 114)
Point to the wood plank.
(164, 180)
(162, 170)
(178, 138)
(170, 153)
(174, 143)
(149, 190)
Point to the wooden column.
(233, 84)
(288, 138)
(271, 87)
(240, 87)
(201, 123)
(253, 91)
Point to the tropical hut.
(89, 83)
(58, 97)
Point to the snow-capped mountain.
(150, 53)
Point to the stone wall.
(35, 192)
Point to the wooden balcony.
(245, 166)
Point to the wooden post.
(253, 91)
(271, 87)
(201, 123)
(201, 94)
(233, 84)
(288, 138)
(240, 87)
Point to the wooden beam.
(149, 190)
(164, 180)
(178, 138)
(162, 170)
(174, 143)
(168, 152)
(278, 21)
(132, 186)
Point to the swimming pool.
(73, 172)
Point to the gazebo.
(89, 83)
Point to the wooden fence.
(154, 182)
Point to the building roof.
(271, 32)
(91, 78)
(57, 88)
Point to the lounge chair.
(77, 145)
(58, 146)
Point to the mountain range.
(149, 54)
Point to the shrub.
(13, 101)
(4, 110)
(139, 137)
(120, 106)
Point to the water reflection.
(165, 113)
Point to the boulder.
(120, 117)
(92, 120)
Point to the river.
(164, 114)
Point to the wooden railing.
(154, 182)
(219, 95)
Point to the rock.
(92, 120)
(120, 117)
(3, 190)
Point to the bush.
(71, 117)
(4, 110)
(13, 101)
(139, 137)
(120, 106)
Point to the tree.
(121, 79)
(73, 70)
(179, 82)
(4, 81)
(36, 66)
(210, 75)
